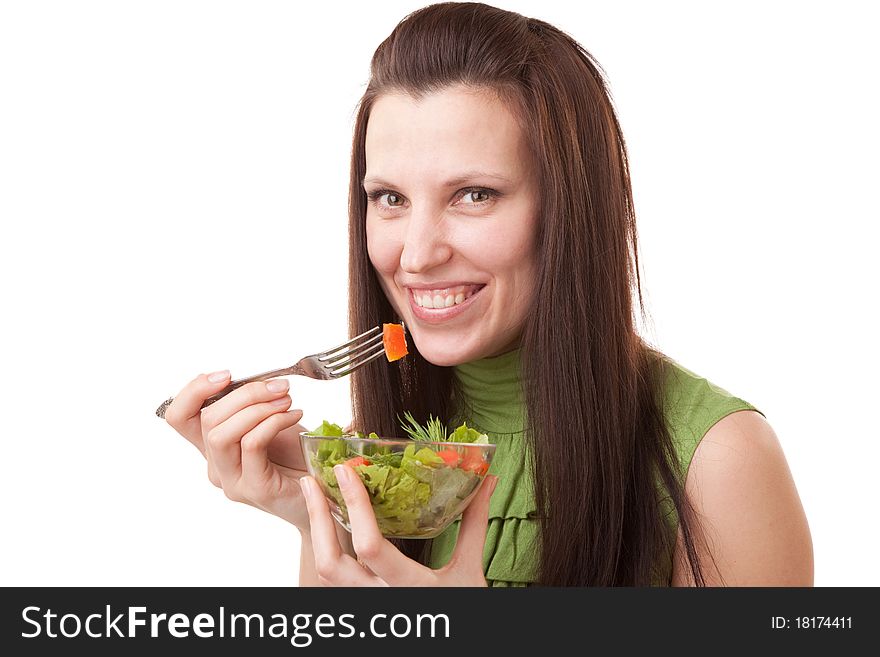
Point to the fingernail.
(217, 377)
(281, 401)
(493, 484)
(341, 475)
(306, 488)
(278, 385)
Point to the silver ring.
(164, 407)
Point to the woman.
(491, 210)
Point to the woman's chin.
(444, 353)
(445, 362)
(442, 358)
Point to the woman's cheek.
(383, 250)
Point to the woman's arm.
(748, 509)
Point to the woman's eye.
(476, 196)
(386, 199)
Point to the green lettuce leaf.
(331, 452)
(466, 434)
(328, 430)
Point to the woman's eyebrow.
(452, 182)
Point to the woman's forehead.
(445, 135)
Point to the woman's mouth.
(442, 304)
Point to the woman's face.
(451, 220)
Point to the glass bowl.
(417, 489)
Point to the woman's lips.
(439, 315)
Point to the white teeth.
(444, 298)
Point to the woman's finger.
(474, 522)
(286, 449)
(257, 471)
(248, 395)
(223, 442)
(184, 412)
(332, 565)
(373, 549)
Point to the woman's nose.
(425, 246)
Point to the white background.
(173, 181)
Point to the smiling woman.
(490, 210)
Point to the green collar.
(492, 389)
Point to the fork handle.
(235, 385)
(287, 371)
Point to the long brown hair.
(597, 437)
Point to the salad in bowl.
(417, 485)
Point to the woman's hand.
(378, 562)
(250, 440)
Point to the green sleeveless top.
(493, 393)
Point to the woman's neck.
(492, 392)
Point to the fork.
(326, 365)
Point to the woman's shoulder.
(692, 404)
(745, 497)
(686, 393)
(740, 483)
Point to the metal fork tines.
(331, 364)
(346, 358)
